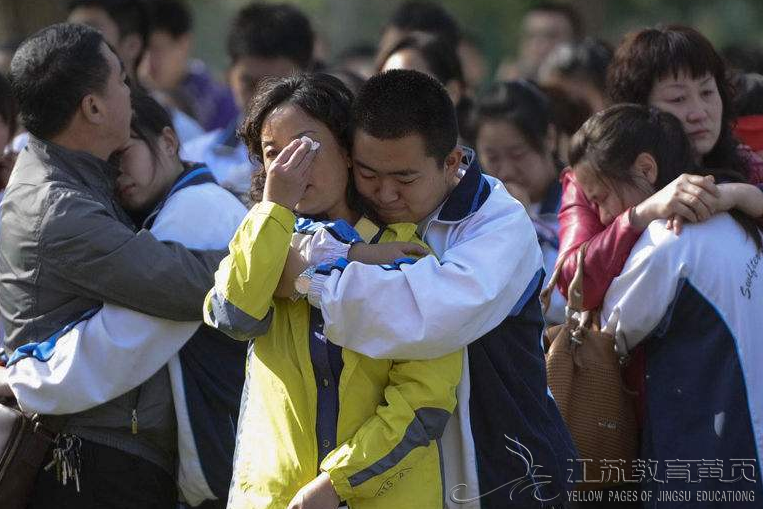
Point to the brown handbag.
(24, 441)
(584, 375)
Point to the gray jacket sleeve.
(86, 250)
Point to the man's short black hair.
(425, 16)
(397, 103)
(562, 9)
(52, 71)
(171, 16)
(270, 31)
(130, 16)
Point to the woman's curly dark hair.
(322, 96)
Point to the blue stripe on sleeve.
(340, 229)
(397, 263)
(327, 268)
(340, 264)
(43, 350)
(529, 291)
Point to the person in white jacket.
(507, 445)
(68, 373)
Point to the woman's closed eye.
(597, 197)
(270, 153)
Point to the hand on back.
(689, 198)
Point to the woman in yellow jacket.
(320, 424)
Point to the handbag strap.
(575, 289)
(48, 425)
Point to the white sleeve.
(83, 373)
(99, 359)
(432, 308)
(639, 298)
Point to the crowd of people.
(317, 285)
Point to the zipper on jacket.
(134, 413)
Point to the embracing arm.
(99, 257)
(746, 198)
(76, 377)
(317, 243)
(431, 308)
(688, 198)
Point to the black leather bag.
(24, 441)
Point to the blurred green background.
(493, 23)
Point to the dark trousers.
(109, 478)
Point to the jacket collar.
(193, 175)
(227, 140)
(552, 200)
(91, 170)
(468, 196)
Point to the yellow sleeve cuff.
(340, 482)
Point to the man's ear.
(169, 143)
(646, 166)
(453, 161)
(92, 110)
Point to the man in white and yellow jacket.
(309, 406)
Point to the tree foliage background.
(493, 23)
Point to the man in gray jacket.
(67, 246)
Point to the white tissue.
(314, 145)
